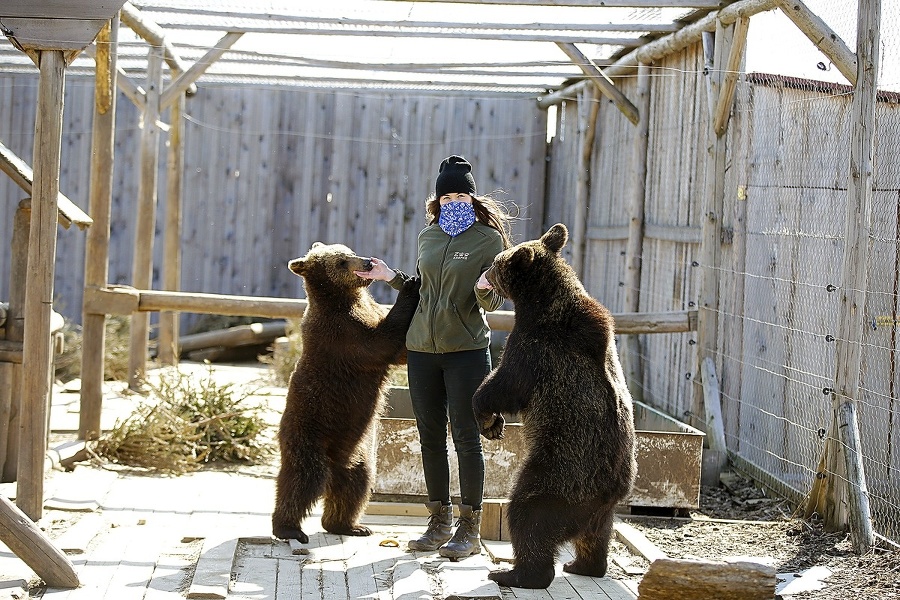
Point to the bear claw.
(358, 530)
(290, 533)
(517, 579)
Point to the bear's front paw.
(492, 427)
(411, 286)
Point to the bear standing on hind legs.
(560, 372)
(336, 392)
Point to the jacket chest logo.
(460, 256)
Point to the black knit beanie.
(454, 176)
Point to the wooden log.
(680, 579)
(96, 261)
(715, 427)
(242, 335)
(30, 544)
(36, 354)
(848, 347)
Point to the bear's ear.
(317, 245)
(522, 258)
(296, 266)
(556, 237)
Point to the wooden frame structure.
(728, 24)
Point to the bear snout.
(367, 264)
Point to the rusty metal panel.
(668, 452)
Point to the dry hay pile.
(191, 424)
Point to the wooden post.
(588, 108)
(30, 544)
(637, 188)
(845, 471)
(96, 261)
(171, 264)
(142, 268)
(15, 332)
(36, 348)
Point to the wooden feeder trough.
(669, 457)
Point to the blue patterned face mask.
(456, 217)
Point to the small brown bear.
(336, 392)
(560, 372)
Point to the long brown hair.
(488, 211)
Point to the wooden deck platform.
(206, 535)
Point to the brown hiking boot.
(438, 532)
(467, 539)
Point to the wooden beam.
(730, 77)
(588, 109)
(820, 34)
(29, 543)
(653, 51)
(15, 334)
(603, 83)
(124, 300)
(96, 261)
(156, 36)
(183, 82)
(10, 352)
(36, 351)
(712, 205)
(401, 30)
(171, 272)
(591, 3)
(142, 264)
(325, 23)
(845, 457)
(637, 191)
(19, 171)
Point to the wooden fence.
(269, 171)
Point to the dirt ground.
(743, 521)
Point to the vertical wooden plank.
(142, 266)
(39, 284)
(96, 259)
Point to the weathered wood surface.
(681, 579)
(27, 541)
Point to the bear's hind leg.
(300, 483)
(592, 545)
(346, 497)
(537, 526)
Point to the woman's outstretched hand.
(380, 270)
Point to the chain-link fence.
(786, 223)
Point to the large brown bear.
(336, 391)
(561, 373)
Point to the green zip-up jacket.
(451, 312)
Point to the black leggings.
(442, 385)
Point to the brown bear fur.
(560, 372)
(336, 392)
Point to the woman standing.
(448, 347)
